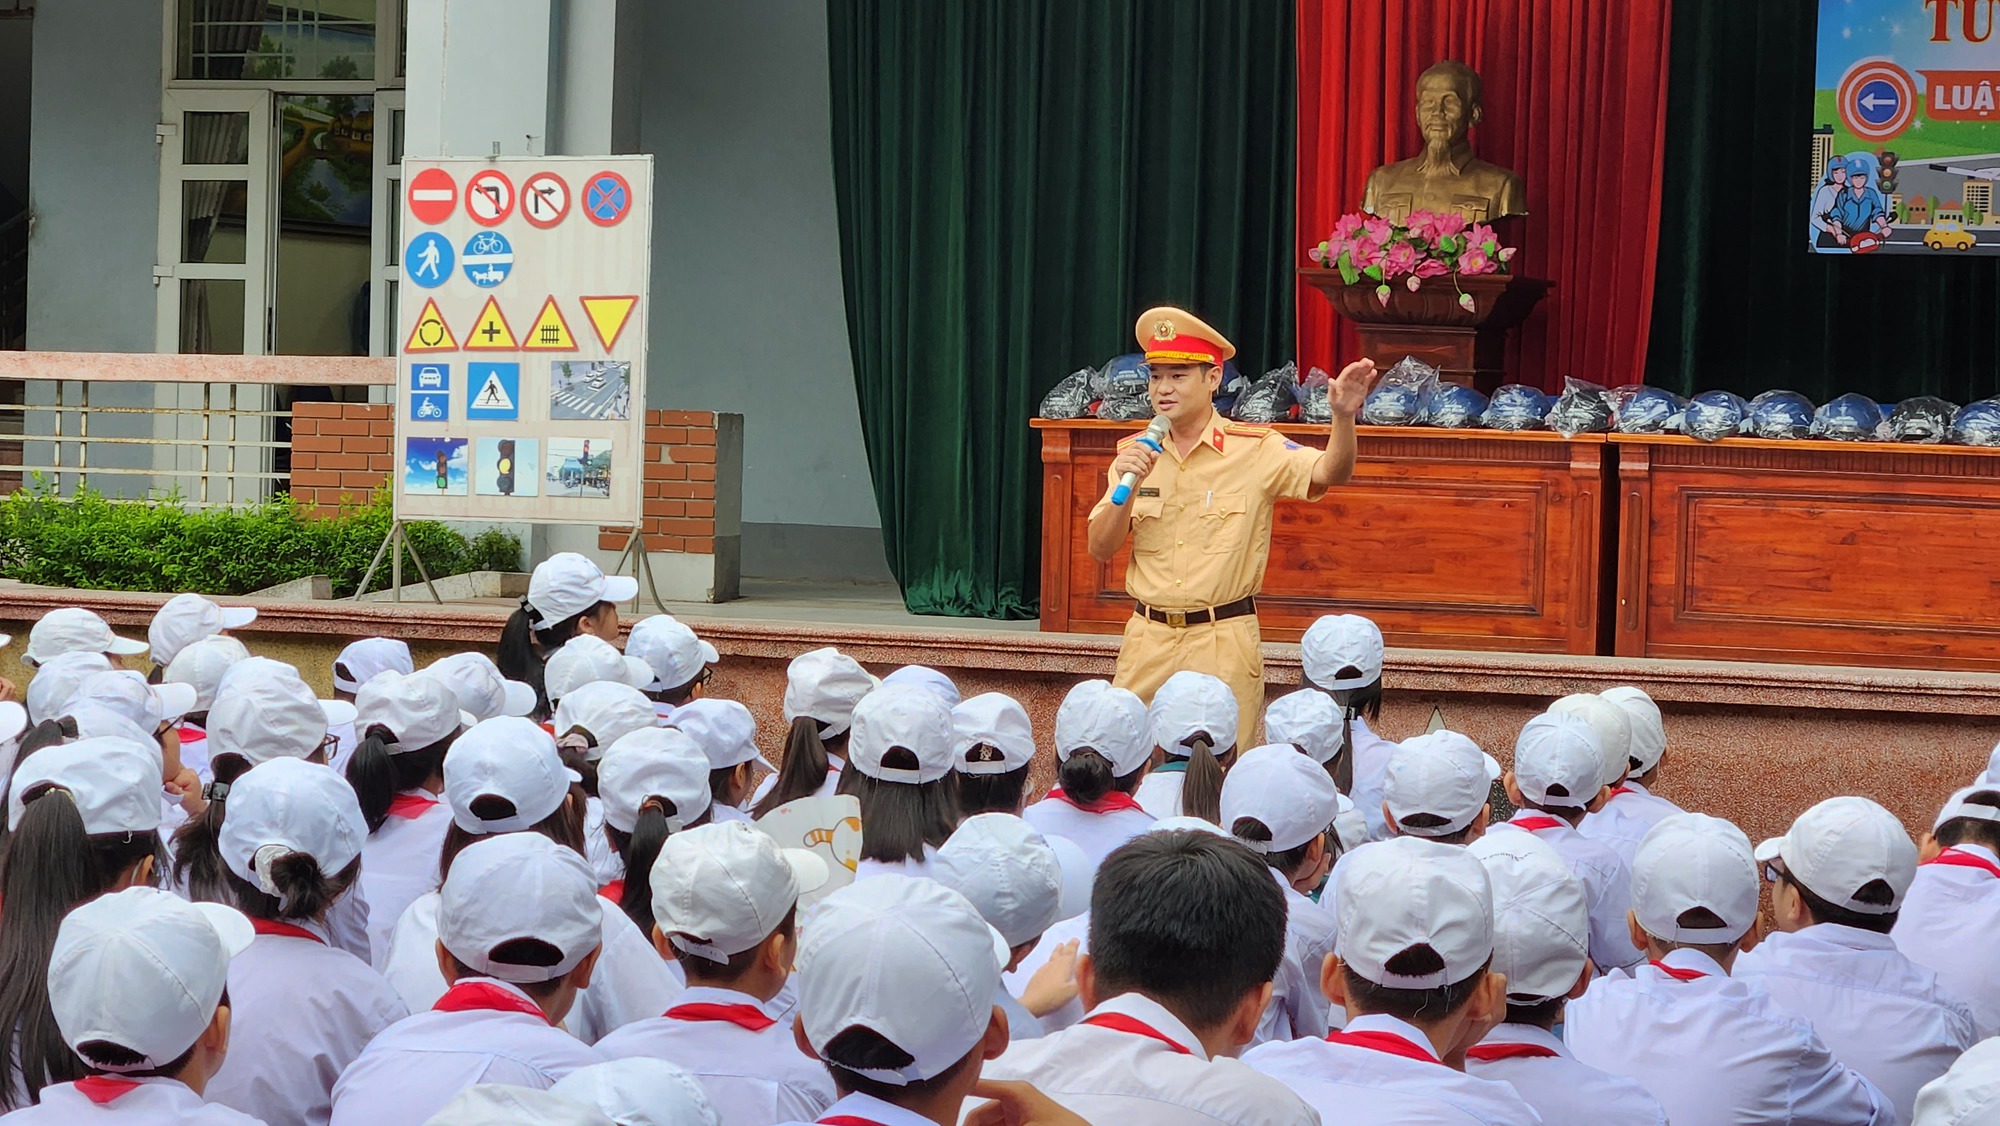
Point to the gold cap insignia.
(1163, 330)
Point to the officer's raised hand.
(1350, 388)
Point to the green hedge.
(93, 543)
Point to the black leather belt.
(1181, 619)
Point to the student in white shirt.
(568, 597)
(99, 835)
(300, 1009)
(993, 746)
(1631, 808)
(727, 733)
(682, 663)
(1186, 930)
(406, 725)
(187, 618)
(137, 981)
(356, 665)
(120, 702)
(638, 1092)
(1414, 975)
(899, 767)
(1282, 805)
(201, 666)
(1711, 1048)
(504, 776)
(489, 1104)
(1557, 775)
(821, 688)
(519, 933)
(1103, 747)
(654, 783)
(72, 629)
(586, 660)
(481, 691)
(1952, 910)
(58, 678)
(1966, 1095)
(1438, 786)
(1342, 655)
(589, 719)
(725, 900)
(1014, 877)
(1309, 720)
(1839, 877)
(1193, 723)
(1541, 945)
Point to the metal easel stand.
(642, 567)
(395, 543)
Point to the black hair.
(680, 693)
(722, 784)
(1825, 911)
(1201, 786)
(803, 769)
(579, 759)
(1432, 821)
(198, 863)
(103, 1056)
(1285, 863)
(1086, 777)
(1417, 1006)
(564, 826)
(1365, 701)
(48, 733)
(378, 773)
(304, 892)
(899, 818)
(526, 642)
(991, 793)
(1698, 918)
(52, 864)
(640, 848)
(864, 1047)
(521, 952)
(1541, 1014)
(732, 971)
(1187, 919)
(1970, 830)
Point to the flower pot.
(1466, 347)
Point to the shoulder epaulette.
(1123, 442)
(1246, 430)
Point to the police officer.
(1200, 521)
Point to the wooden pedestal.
(1468, 348)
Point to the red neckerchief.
(848, 1120)
(1383, 1042)
(1617, 790)
(742, 1016)
(1952, 858)
(613, 891)
(189, 733)
(409, 807)
(1115, 800)
(283, 930)
(1537, 824)
(101, 1089)
(468, 996)
(1677, 973)
(1119, 1022)
(1490, 1052)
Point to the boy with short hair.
(1631, 808)
(1711, 1048)
(1952, 910)
(1839, 876)
(1437, 786)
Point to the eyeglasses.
(1772, 871)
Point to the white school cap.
(724, 730)
(607, 712)
(1007, 870)
(515, 886)
(480, 689)
(1541, 921)
(73, 629)
(1648, 726)
(1992, 775)
(1407, 892)
(484, 1104)
(566, 584)
(187, 618)
(825, 684)
(925, 677)
(1441, 773)
(585, 659)
(115, 783)
(1966, 1095)
(1614, 731)
(722, 888)
(58, 678)
(13, 721)
(653, 762)
(1840, 846)
(417, 710)
(1192, 703)
(927, 939)
(288, 806)
(671, 650)
(1309, 720)
(1350, 825)
(1688, 861)
(1960, 804)
(202, 665)
(899, 715)
(1558, 761)
(95, 721)
(263, 711)
(1110, 721)
(638, 1091)
(995, 720)
(1184, 823)
(1292, 796)
(511, 758)
(127, 693)
(371, 655)
(1340, 641)
(142, 969)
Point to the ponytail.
(899, 819)
(1085, 776)
(564, 826)
(640, 848)
(1363, 701)
(803, 769)
(525, 646)
(371, 771)
(1201, 787)
(198, 863)
(304, 893)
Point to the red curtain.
(1575, 99)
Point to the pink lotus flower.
(1378, 229)
(1346, 225)
(1481, 237)
(1466, 302)
(1448, 224)
(1431, 268)
(1399, 259)
(1382, 295)
(1365, 252)
(1475, 262)
(1419, 221)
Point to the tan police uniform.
(1201, 535)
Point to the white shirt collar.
(1977, 850)
(1528, 1034)
(873, 1109)
(1383, 1022)
(1853, 938)
(1688, 959)
(1635, 787)
(1155, 1016)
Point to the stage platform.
(1755, 743)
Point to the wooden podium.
(1468, 348)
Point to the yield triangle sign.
(491, 333)
(550, 332)
(430, 333)
(608, 316)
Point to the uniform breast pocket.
(1225, 523)
(1149, 533)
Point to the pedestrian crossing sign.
(550, 332)
(494, 392)
(490, 333)
(430, 333)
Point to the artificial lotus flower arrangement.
(1426, 245)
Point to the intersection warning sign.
(430, 333)
(550, 332)
(490, 332)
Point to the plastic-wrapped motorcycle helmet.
(1583, 408)
(1649, 410)
(1270, 399)
(1781, 414)
(1397, 399)
(1850, 418)
(1714, 415)
(1451, 405)
(1517, 406)
(1977, 424)
(1924, 418)
(1124, 381)
(1069, 398)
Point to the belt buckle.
(1177, 619)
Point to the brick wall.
(340, 449)
(680, 486)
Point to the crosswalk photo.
(590, 390)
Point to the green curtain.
(1739, 302)
(1016, 181)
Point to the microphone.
(1154, 439)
